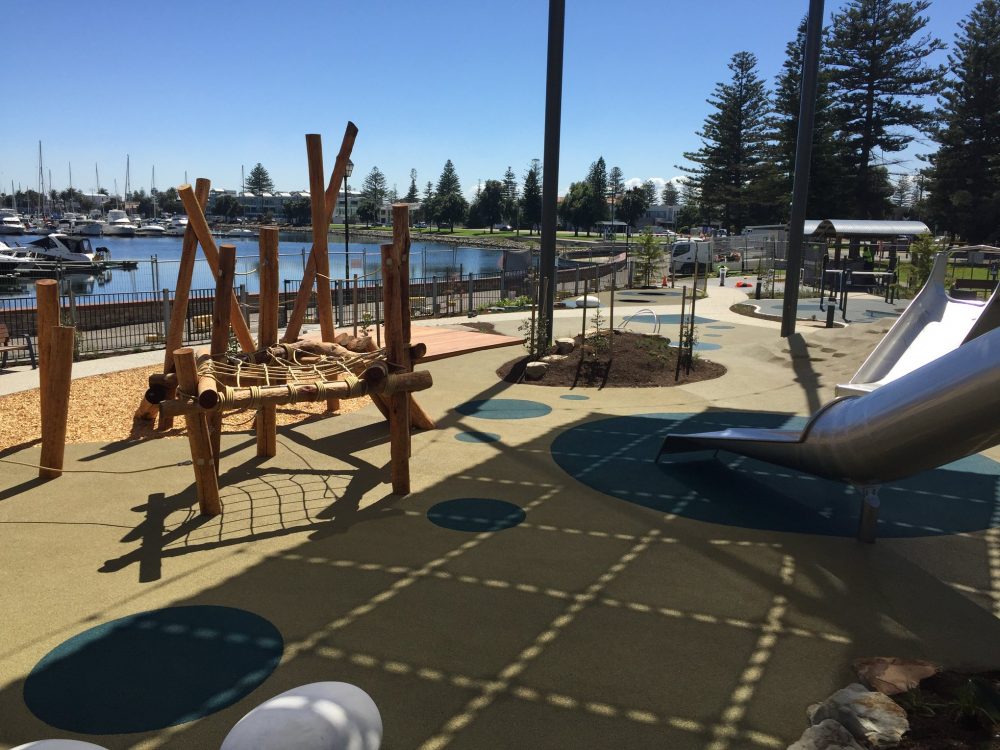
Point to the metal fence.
(115, 323)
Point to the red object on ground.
(664, 281)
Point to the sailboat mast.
(126, 182)
(41, 183)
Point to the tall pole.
(803, 157)
(347, 237)
(550, 161)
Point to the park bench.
(971, 288)
(7, 346)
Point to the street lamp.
(347, 226)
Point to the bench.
(971, 288)
(6, 346)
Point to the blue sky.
(206, 86)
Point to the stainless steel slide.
(936, 414)
(932, 325)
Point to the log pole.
(178, 313)
(196, 219)
(47, 318)
(221, 318)
(56, 386)
(206, 481)
(309, 273)
(267, 333)
(320, 248)
(397, 352)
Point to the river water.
(159, 257)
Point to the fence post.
(155, 268)
(244, 303)
(435, 311)
(166, 313)
(576, 283)
(340, 302)
(470, 291)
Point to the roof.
(863, 228)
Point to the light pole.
(347, 226)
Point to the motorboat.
(78, 224)
(54, 255)
(119, 224)
(150, 229)
(10, 222)
(177, 226)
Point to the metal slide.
(938, 413)
(933, 324)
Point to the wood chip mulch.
(102, 410)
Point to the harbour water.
(159, 257)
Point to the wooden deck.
(443, 342)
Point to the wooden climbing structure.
(199, 385)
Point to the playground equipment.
(200, 385)
(932, 325)
(917, 416)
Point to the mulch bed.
(952, 710)
(635, 361)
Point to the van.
(684, 255)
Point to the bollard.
(831, 311)
(757, 291)
(722, 275)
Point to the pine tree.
(578, 206)
(669, 196)
(878, 72)
(531, 198)
(734, 152)
(597, 176)
(259, 181)
(449, 204)
(964, 176)
(412, 196)
(510, 202)
(373, 195)
(828, 184)
(902, 194)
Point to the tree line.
(873, 80)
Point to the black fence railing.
(121, 322)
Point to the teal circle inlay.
(473, 436)
(476, 514)
(503, 408)
(703, 346)
(574, 397)
(153, 670)
(666, 319)
(618, 456)
(712, 335)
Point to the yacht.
(119, 224)
(51, 254)
(10, 222)
(150, 229)
(78, 224)
(177, 226)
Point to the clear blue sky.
(206, 86)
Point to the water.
(427, 259)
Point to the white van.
(684, 255)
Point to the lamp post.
(347, 226)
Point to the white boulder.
(586, 300)
(535, 370)
(318, 716)
(60, 745)
(827, 735)
(551, 359)
(870, 717)
(565, 345)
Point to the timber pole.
(267, 333)
(550, 167)
(803, 159)
(59, 368)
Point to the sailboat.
(118, 223)
(151, 228)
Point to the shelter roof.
(868, 228)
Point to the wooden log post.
(178, 313)
(320, 248)
(46, 318)
(397, 352)
(196, 219)
(221, 310)
(206, 481)
(267, 333)
(59, 372)
(309, 274)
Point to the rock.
(564, 346)
(318, 716)
(553, 358)
(535, 370)
(870, 717)
(827, 735)
(892, 675)
(585, 300)
(60, 745)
